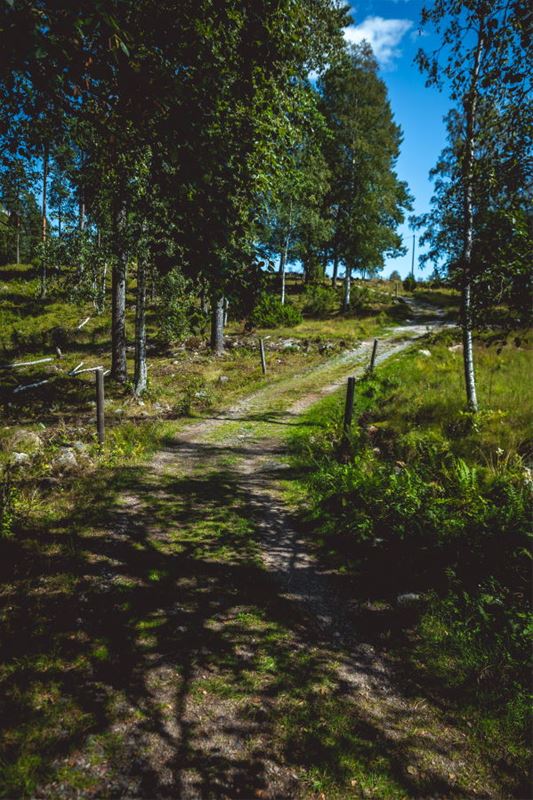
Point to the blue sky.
(392, 28)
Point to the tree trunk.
(335, 269)
(282, 267)
(119, 369)
(140, 376)
(45, 187)
(347, 288)
(17, 239)
(43, 229)
(226, 311)
(81, 211)
(470, 107)
(217, 324)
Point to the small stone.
(409, 600)
(223, 379)
(80, 447)
(119, 412)
(66, 458)
(454, 348)
(424, 352)
(18, 459)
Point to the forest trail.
(239, 667)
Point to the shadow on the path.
(149, 654)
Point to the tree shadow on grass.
(148, 653)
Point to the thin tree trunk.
(101, 299)
(119, 369)
(335, 269)
(226, 311)
(347, 288)
(217, 324)
(140, 376)
(470, 107)
(43, 229)
(81, 211)
(45, 187)
(282, 272)
(17, 239)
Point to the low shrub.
(359, 297)
(271, 313)
(195, 394)
(320, 301)
(409, 284)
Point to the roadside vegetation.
(427, 513)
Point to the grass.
(433, 500)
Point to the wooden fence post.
(262, 354)
(99, 373)
(348, 409)
(373, 356)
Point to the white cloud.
(383, 35)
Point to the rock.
(455, 348)
(372, 429)
(424, 352)
(223, 379)
(25, 442)
(289, 344)
(80, 447)
(119, 412)
(409, 600)
(66, 458)
(18, 459)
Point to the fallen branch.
(87, 369)
(25, 363)
(73, 371)
(30, 386)
(84, 322)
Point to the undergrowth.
(434, 501)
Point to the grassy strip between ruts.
(432, 503)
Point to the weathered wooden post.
(373, 356)
(396, 289)
(348, 410)
(262, 354)
(100, 426)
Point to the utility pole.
(413, 258)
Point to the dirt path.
(237, 668)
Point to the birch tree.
(483, 60)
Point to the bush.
(271, 313)
(195, 394)
(359, 297)
(320, 301)
(409, 284)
